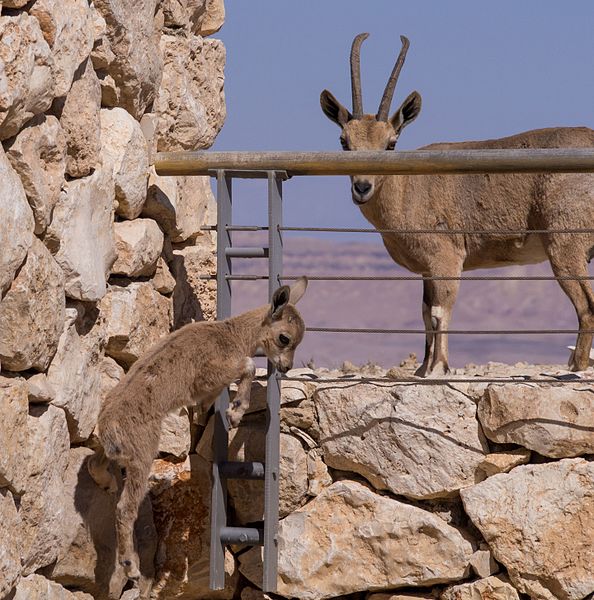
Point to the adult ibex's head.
(370, 132)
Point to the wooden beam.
(417, 162)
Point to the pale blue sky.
(484, 69)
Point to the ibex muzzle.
(513, 202)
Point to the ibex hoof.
(233, 417)
(131, 569)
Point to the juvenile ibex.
(474, 203)
(191, 366)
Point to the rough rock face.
(26, 73)
(80, 375)
(79, 117)
(194, 298)
(190, 103)
(45, 531)
(10, 555)
(125, 150)
(556, 422)
(181, 503)
(81, 235)
(67, 27)
(538, 521)
(16, 233)
(139, 244)
(137, 317)
(212, 19)
(183, 13)
(90, 561)
(414, 442)
(14, 434)
(36, 587)
(132, 78)
(345, 526)
(32, 313)
(38, 155)
(492, 588)
(175, 434)
(181, 205)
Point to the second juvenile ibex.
(474, 203)
(191, 366)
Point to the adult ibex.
(470, 202)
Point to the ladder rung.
(242, 470)
(239, 252)
(242, 535)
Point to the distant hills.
(397, 304)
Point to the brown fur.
(191, 366)
(475, 202)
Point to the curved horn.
(356, 74)
(384, 108)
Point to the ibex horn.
(384, 108)
(356, 74)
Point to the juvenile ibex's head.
(284, 327)
(370, 132)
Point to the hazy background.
(483, 69)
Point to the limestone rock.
(502, 462)
(137, 317)
(397, 596)
(175, 434)
(81, 235)
(163, 280)
(318, 477)
(38, 155)
(10, 555)
(191, 102)
(101, 55)
(16, 233)
(39, 389)
(15, 3)
(37, 587)
(538, 521)
(554, 421)
(250, 593)
(181, 205)
(148, 125)
(183, 13)
(492, 588)
(89, 562)
(32, 313)
(348, 526)
(194, 299)
(67, 27)
(212, 19)
(414, 441)
(81, 377)
(182, 518)
(482, 562)
(134, 74)
(79, 117)
(45, 530)
(139, 244)
(14, 433)
(26, 78)
(125, 150)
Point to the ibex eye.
(344, 144)
(283, 340)
(391, 145)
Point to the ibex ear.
(409, 110)
(334, 110)
(280, 299)
(297, 290)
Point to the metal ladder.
(222, 469)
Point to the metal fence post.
(271, 479)
(218, 504)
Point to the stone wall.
(467, 491)
(99, 257)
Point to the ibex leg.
(566, 261)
